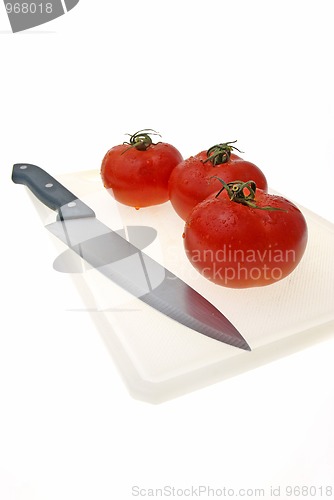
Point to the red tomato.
(191, 181)
(138, 172)
(241, 238)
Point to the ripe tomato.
(191, 181)
(138, 172)
(245, 237)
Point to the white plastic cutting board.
(160, 359)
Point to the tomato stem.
(141, 140)
(236, 193)
(220, 153)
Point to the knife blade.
(122, 262)
(140, 237)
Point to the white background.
(200, 73)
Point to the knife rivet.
(49, 185)
(71, 204)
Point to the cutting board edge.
(157, 392)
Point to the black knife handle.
(50, 192)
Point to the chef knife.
(122, 262)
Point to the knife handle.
(50, 192)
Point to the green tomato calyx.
(236, 192)
(220, 153)
(141, 140)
